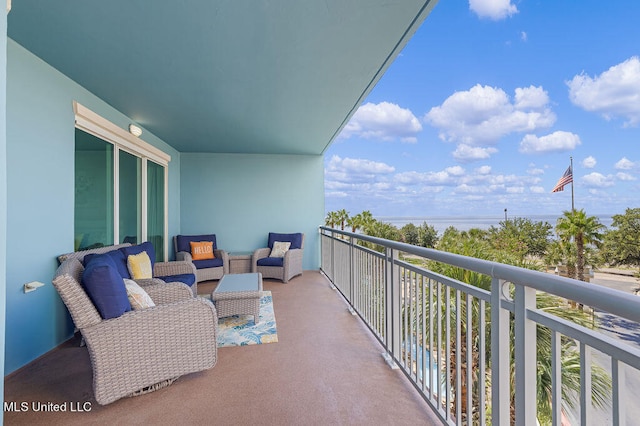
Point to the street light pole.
(505, 215)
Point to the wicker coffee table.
(238, 294)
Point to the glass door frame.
(94, 124)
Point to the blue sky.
(486, 104)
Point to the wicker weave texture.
(81, 254)
(291, 265)
(67, 283)
(163, 269)
(238, 302)
(143, 347)
(240, 263)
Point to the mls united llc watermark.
(24, 406)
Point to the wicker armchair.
(209, 269)
(283, 268)
(142, 350)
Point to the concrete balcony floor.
(325, 369)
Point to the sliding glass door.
(94, 207)
(130, 198)
(155, 207)
(119, 196)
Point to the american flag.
(566, 178)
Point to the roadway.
(627, 332)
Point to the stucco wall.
(243, 197)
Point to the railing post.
(333, 259)
(500, 357)
(525, 356)
(351, 273)
(392, 303)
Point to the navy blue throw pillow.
(119, 260)
(105, 287)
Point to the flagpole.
(573, 208)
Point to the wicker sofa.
(161, 270)
(146, 349)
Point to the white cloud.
(483, 170)
(515, 190)
(523, 36)
(624, 164)
(358, 165)
(531, 97)
(472, 189)
(336, 194)
(484, 114)
(493, 9)
(385, 121)
(455, 171)
(598, 180)
(428, 178)
(354, 174)
(558, 141)
(466, 153)
(379, 186)
(589, 162)
(625, 176)
(614, 93)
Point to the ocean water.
(464, 223)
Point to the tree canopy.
(575, 226)
(622, 244)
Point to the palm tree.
(331, 219)
(367, 221)
(355, 222)
(478, 247)
(583, 230)
(562, 252)
(342, 215)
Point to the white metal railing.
(457, 342)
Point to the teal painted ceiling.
(243, 76)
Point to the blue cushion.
(146, 246)
(208, 263)
(183, 241)
(119, 260)
(294, 239)
(105, 287)
(270, 261)
(187, 279)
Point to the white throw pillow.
(138, 298)
(279, 249)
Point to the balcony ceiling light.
(135, 130)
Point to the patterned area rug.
(240, 330)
